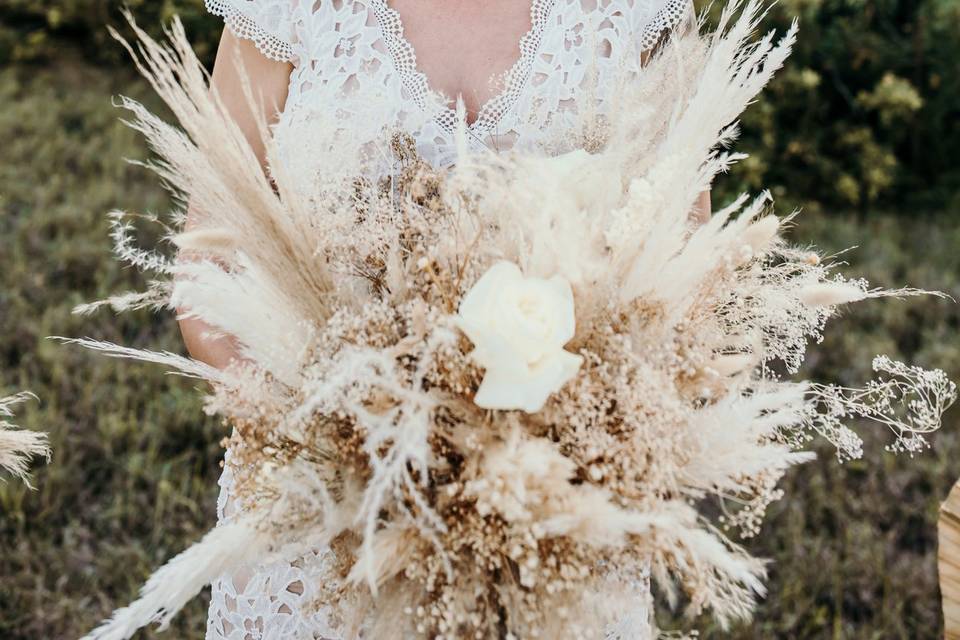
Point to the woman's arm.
(236, 58)
(703, 209)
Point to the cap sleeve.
(662, 17)
(267, 23)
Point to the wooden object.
(948, 531)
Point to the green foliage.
(34, 30)
(133, 477)
(864, 113)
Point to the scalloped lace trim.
(492, 111)
(253, 28)
(665, 20)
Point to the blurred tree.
(864, 115)
(32, 30)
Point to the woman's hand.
(237, 60)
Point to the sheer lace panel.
(276, 601)
(356, 48)
(266, 22)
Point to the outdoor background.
(861, 131)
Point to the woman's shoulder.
(650, 20)
(659, 17)
(268, 23)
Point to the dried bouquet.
(503, 392)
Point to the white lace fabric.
(350, 58)
(267, 23)
(269, 601)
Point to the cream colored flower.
(519, 327)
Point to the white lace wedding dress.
(345, 49)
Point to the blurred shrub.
(865, 112)
(32, 30)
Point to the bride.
(524, 71)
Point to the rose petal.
(475, 303)
(523, 388)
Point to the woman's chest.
(382, 65)
(462, 46)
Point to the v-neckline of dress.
(404, 58)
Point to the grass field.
(133, 479)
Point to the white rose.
(518, 327)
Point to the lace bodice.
(343, 49)
(350, 58)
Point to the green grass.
(133, 479)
